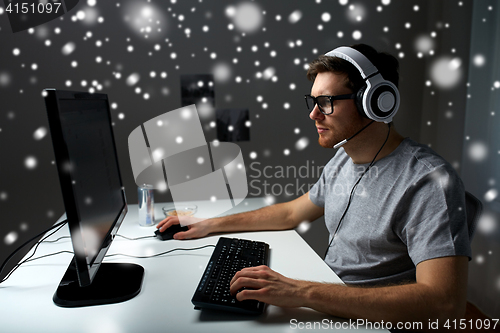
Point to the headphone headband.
(364, 66)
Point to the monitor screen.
(89, 174)
(94, 172)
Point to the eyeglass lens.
(323, 102)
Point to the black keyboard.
(229, 256)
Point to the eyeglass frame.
(331, 98)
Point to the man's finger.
(246, 282)
(168, 222)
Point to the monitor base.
(113, 283)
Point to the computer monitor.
(94, 199)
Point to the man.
(395, 212)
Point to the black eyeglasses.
(325, 103)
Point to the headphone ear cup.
(359, 101)
(383, 101)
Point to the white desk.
(164, 303)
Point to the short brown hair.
(387, 65)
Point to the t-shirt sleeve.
(433, 218)
(317, 192)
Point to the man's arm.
(280, 216)
(439, 293)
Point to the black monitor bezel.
(86, 272)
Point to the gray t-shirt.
(409, 207)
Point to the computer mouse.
(169, 233)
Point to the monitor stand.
(113, 283)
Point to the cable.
(121, 254)
(57, 240)
(49, 255)
(136, 238)
(352, 192)
(144, 237)
(126, 255)
(58, 226)
(159, 254)
(343, 142)
(29, 259)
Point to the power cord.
(56, 240)
(158, 254)
(63, 237)
(144, 237)
(125, 255)
(58, 226)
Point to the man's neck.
(364, 148)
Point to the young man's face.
(345, 119)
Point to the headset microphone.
(343, 142)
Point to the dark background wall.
(257, 52)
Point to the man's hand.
(198, 227)
(263, 284)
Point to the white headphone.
(379, 99)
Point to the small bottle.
(146, 205)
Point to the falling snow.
(487, 224)
(10, 238)
(478, 151)
(302, 143)
(479, 60)
(446, 72)
(30, 162)
(491, 195)
(68, 48)
(247, 16)
(40, 133)
(295, 17)
(303, 227)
